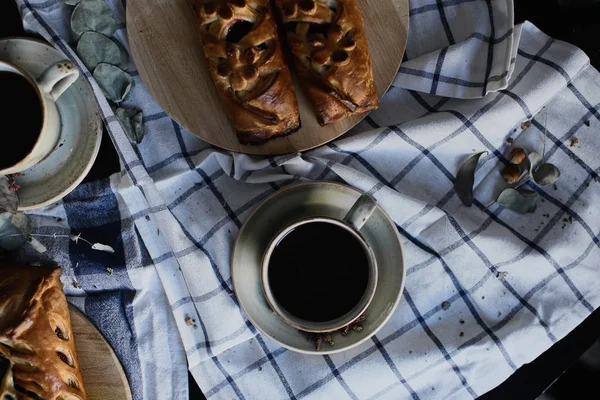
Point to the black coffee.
(20, 118)
(318, 272)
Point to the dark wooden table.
(580, 26)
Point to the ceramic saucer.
(81, 129)
(291, 204)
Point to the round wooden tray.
(169, 57)
(103, 375)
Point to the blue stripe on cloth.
(431, 7)
(438, 70)
(445, 24)
(393, 367)
(441, 78)
(339, 378)
(252, 367)
(553, 65)
(490, 55)
(438, 344)
(488, 39)
(112, 313)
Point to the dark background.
(571, 368)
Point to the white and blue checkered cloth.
(173, 214)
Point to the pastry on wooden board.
(243, 50)
(37, 351)
(331, 54)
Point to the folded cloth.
(185, 201)
(459, 48)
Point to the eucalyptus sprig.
(522, 168)
(16, 226)
(93, 26)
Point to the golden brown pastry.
(331, 54)
(243, 50)
(37, 351)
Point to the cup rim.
(25, 74)
(326, 326)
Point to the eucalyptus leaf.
(519, 200)
(131, 121)
(8, 198)
(92, 15)
(114, 82)
(466, 178)
(72, 2)
(14, 230)
(546, 174)
(534, 160)
(95, 48)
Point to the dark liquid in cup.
(318, 272)
(20, 118)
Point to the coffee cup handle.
(57, 78)
(361, 211)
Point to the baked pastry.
(37, 352)
(331, 54)
(243, 50)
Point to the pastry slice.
(37, 351)
(243, 50)
(331, 54)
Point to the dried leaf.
(37, 246)
(95, 48)
(109, 271)
(14, 230)
(114, 82)
(501, 275)
(466, 178)
(102, 247)
(92, 15)
(76, 284)
(9, 201)
(445, 305)
(522, 201)
(546, 174)
(131, 121)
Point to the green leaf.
(114, 82)
(14, 230)
(95, 48)
(92, 15)
(546, 174)
(466, 178)
(522, 201)
(8, 198)
(131, 121)
(531, 163)
(534, 160)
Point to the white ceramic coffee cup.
(50, 85)
(354, 220)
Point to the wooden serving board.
(103, 375)
(169, 57)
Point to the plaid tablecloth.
(174, 212)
